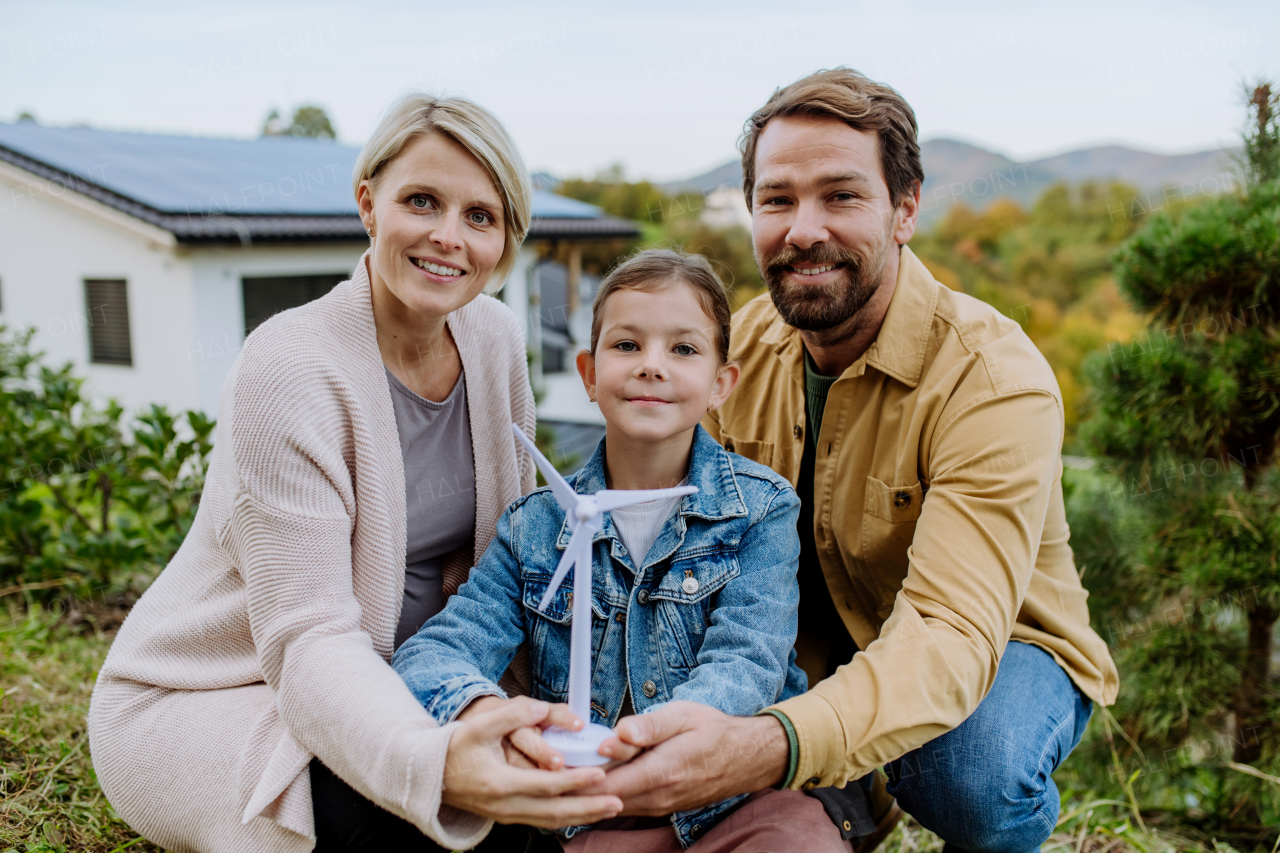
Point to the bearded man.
(943, 625)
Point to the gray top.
(440, 494)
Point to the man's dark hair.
(856, 100)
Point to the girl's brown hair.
(654, 269)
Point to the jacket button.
(902, 500)
(811, 784)
(620, 617)
(643, 596)
(696, 830)
(797, 432)
(649, 689)
(689, 585)
(847, 826)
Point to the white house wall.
(219, 301)
(49, 244)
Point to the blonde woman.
(364, 455)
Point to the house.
(145, 260)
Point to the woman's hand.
(478, 777)
(525, 747)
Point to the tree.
(311, 121)
(274, 126)
(1188, 420)
(308, 121)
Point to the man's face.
(822, 221)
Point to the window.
(107, 311)
(264, 297)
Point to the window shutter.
(107, 310)
(266, 296)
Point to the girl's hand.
(479, 778)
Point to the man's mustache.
(820, 255)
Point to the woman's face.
(437, 226)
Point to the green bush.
(92, 504)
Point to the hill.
(957, 171)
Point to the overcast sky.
(662, 89)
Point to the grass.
(50, 801)
(49, 796)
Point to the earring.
(592, 399)
(368, 233)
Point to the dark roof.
(229, 190)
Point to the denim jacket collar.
(710, 469)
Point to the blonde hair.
(654, 269)
(480, 132)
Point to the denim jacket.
(728, 644)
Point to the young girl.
(694, 598)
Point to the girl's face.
(656, 369)
(436, 219)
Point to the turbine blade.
(565, 496)
(608, 499)
(580, 539)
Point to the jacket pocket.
(756, 451)
(684, 598)
(549, 636)
(889, 516)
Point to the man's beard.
(821, 307)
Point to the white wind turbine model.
(585, 516)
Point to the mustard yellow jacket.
(938, 516)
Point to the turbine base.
(580, 749)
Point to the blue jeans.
(985, 786)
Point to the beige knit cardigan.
(267, 639)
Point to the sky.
(661, 87)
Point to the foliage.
(1048, 268)
(308, 121)
(91, 506)
(1186, 423)
(667, 221)
(1167, 402)
(1218, 263)
(1262, 135)
(609, 190)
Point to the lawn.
(50, 800)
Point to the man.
(943, 624)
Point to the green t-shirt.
(816, 387)
(818, 613)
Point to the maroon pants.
(768, 822)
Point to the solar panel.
(200, 175)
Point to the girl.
(694, 598)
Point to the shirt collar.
(710, 469)
(899, 348)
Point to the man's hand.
(693, 756)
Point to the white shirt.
(638, 525)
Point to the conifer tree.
(1187, 418)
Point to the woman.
(363, 458)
